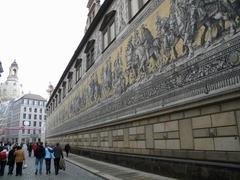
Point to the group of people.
(11, 155)
(14, 155)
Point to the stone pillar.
(186, 135)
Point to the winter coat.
(11, 157)
(19, 156)
(49, 153)
(58, 152)
(39, 153)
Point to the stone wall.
(209, 132)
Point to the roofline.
(106, 4)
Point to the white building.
(28, 117)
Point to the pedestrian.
(39, 153)
(48, 157)
(11, 160)
(67, 149)
(19, 159)
(3, 157)
(57, 154)
(29, 148)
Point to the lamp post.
(1, 68)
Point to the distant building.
(26, 119)
(11, 88)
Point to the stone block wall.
(209, 132)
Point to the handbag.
(24, 166)
(62, 164)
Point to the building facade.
(26, 119)
(154, 82)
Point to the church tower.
(13, 71)
(11, 88)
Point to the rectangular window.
(35, 116)
(25, 109)
(105, 39)
(59, 95)
(24, 116)
(78, 70)
(112, 32)
(40, 124)
(35, 110)
(34, 131)
(40, 110)
(135, 6)
(23, 131)
(34, 123)
(64, 89)
(29, 116)
(40, 117)
(90, 56)
(45, 117)
(28, 131)
(30, 109)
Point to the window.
(40, 124)
(56, 101)
(35, 116)
(29, 116)
(40, 110)
(34, 131)
(78, 68)
(35, 110)
(70, 80)
(135, 6)
(40, 117)
(23, 131)
(25, 109)
(39, 131)
(64, 89)
(28, 131)
(30, 109)
(108, 29)
(59, 95)
(24, 116)
(45, 117)
(89, 50)
(34, 123)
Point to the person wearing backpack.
(3, 157)
(48, 157)
(39, 154)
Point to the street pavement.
(72, 172)
(82, 168)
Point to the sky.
(42, 36)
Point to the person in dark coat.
(57, 151)
(29, 148)
(11, 160)
(67, 149)
(40, 155)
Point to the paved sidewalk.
(111, 171)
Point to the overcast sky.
(42, 36)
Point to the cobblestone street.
(72, 172)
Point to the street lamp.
(1, 68)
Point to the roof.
(33, 96)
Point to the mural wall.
(156, 50)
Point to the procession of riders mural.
(173, 44)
